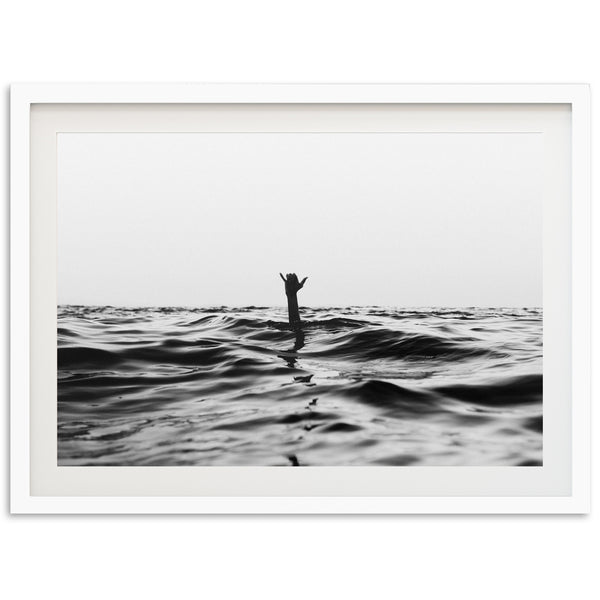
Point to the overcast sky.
(210, 219)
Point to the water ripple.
(357, 386)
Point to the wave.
(373, 343)
(355, 386)
(506, 392)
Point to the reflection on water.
(291, 356)
(356, 386)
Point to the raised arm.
(292, 286)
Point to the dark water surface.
(359, 386)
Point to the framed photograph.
(300, 298)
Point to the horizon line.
(283, 306)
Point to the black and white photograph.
(300, 299)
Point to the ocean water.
(357, 386)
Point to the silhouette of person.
(292, 286)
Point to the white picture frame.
(30, 424)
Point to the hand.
(292, 285)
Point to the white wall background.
(492, 557)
